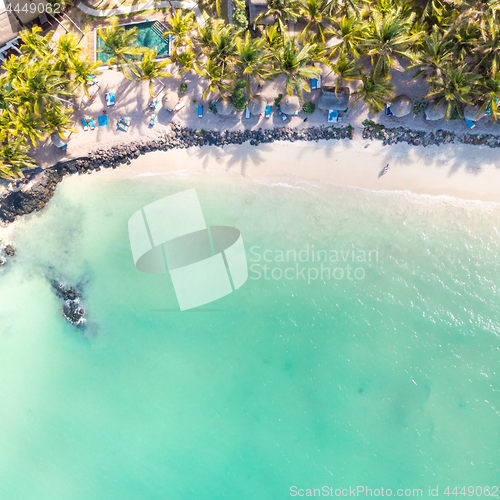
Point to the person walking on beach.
(386, 168)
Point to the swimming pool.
(149, 35)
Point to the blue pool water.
(146, 37)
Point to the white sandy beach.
(459, 171)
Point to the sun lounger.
(247, 113)
(152, 120)
(92, 80)
(102, 120)
(319, 81)
(85, 124)
(388, 111)
(282, 115)
(200, 110)
(121, 126)
(91, 124)
(125, 121)
(268, 111)
(470, 123)
(314, 83)
(333, 115)
(152, 104)
(179, 106)
(110, 99)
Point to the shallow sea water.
(386, 381)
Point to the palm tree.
(41, 85)
(181, 24)
(376, 90)
(352, 32)
(489, 43)
(57, 120)
(14, 157)
(81, 70)
(435, 51)
(67, 49)
(118, 45)
(295, 64)
(455, 87)
(252, 61)
(282, 11)
(35, 45)
(221, 46)
(490, 91)
(389, 37)
(315, 12)
(273, 37)
(214, 74)
(346, 69)
(28, 124)
(186, 61)
(151, 69)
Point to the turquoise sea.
(389, 379)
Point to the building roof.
(256, 7)
(336, 101)
(9, 25)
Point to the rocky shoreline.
(375, 131)
(38, 186)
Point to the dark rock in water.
(9, 250)
(64, 292)
(74, 312)
(72, 309)
(3, 260)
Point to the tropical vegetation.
(452, 45)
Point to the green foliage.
(240, 18)
(418, 106)
(240, 101)
(183, 87)
(277, 100)
(308, 107)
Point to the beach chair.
(91, 124)
(333, 115)
(268, 111)
(200, 110)
(121, 126)
(319, 82)
(179, 106)
(102, 120)
(388, 111)
(110, 99)
(314, 83)
(125, 121)
(470, 123)
(92, 80)
(282, 115)
(152, 120)
(152, 105)
(85, 124)
(64, 147)
(247, 113)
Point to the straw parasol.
(472, 113)
(435, 111)
(257, 105)
(223, 107)
(58, 141)
(401, 106)
(290, 104)
(170, 100)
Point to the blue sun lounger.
(314, 83)
(125, 121)
(200, 110)
(333, 115)
(470, 123)
(121, 126)
(268, 111)
(388, 111)
(152, 120)
(85, 124)
(91, 124)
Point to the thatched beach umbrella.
(472, 113)
(257, 105)
(401, 106)
(58, 141)
(290, 104)
(435, 111)
(332, 99)
(170, 100)
(223, 107)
